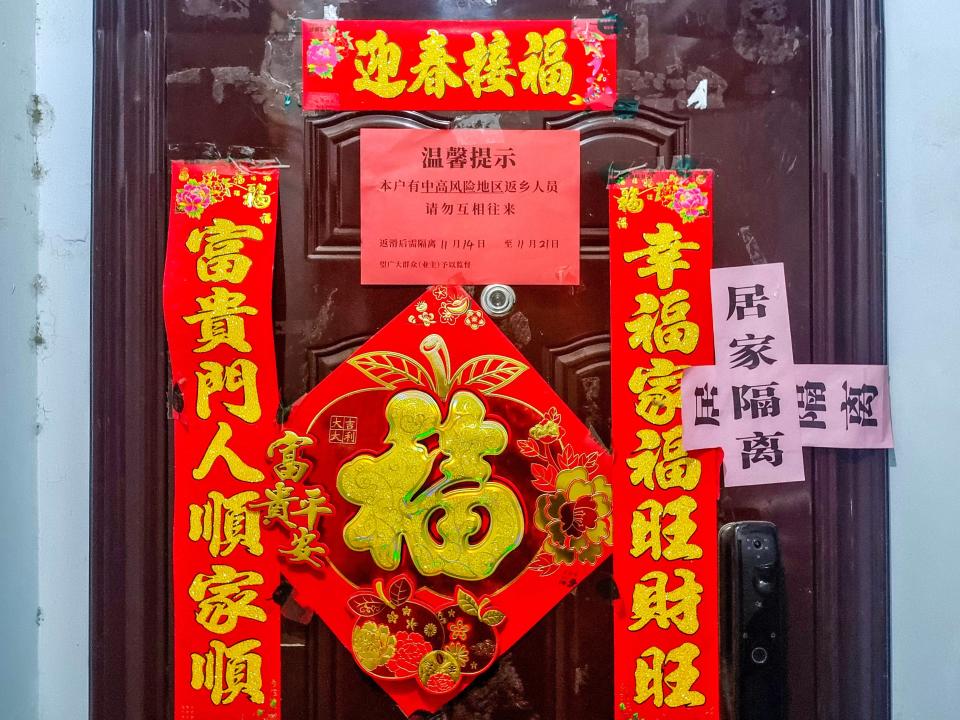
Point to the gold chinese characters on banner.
(666, 650)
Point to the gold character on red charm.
(543, 67)
(662, 322)
(291, 467)
(649, 531)
(651, 677)
(218, 449)
(433, 72)
(277, 504)
(227, 523)
(652, 601)
(629, 201)
(490, 69)
(227, 671)
(663, 459)
(378, 74)
(312, 506)
(222, 259)
(662, 255)
(303, 550)
(222, 599)
(216, 378)
(221, 320)
(658, 390)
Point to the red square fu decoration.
(433, 498)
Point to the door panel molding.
(649, 138)
(324, 360)
(330, 139)
(580, 373)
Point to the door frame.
(130, 633)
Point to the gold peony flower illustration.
(373, 645)
(576, 518)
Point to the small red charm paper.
(459, 65)
(666, 647)
(217, 307)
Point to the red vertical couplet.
(665, 516)
(217, 308)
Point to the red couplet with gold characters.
(217, 307)
(666, 649)
(459, 65)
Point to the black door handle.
(752, 628)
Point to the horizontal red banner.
(457, 65)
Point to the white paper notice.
(759, 406)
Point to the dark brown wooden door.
(231, 73)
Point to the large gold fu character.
(387, 487)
